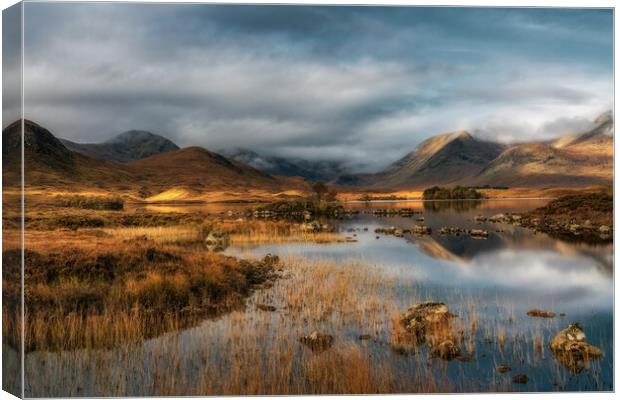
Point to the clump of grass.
(254, 232)
(159, 234)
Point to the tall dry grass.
(254, 351)
(163, 283)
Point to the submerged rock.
(421, 230)
(266, 307)
(521, 378)
(446, 350)
(604, 232)
(317, 341)
(479, 234)
(480, 218)
(503, 368)
(499, 218)
(450, 231)
(540, 313)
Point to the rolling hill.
(199, 170)
(128, 146)
(190, 172)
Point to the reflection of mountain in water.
(436, 250)
(456, 205)
(463, 248)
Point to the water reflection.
(456, 205)
(524, 269)
(503, 276)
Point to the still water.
(501, 277)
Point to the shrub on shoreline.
(454, 193)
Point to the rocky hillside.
(441, 160)
(580, 159)
(47, 162)
(574, 160)
(128, 146)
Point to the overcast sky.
(365, 84)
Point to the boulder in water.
(572, 341)
(421, 316)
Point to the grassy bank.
(89, 299)
(583, 217)
(130, 276)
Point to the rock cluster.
(567, 227)
(478, 233)
(456, 231)
(316, 226)
(421, 230)
(392, 212)
(429, 322)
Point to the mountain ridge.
(454, 158)
(125, 147)
(325, 171)
(48, 163)
(443, 159)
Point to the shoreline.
(449, 200)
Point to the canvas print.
(227, 199)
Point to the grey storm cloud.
(361, 84)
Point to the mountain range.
(458, 158)
(153, 166)
(325, 171)
(128, 146)
(183, 174)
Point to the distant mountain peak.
(441, 159)
(605, 118)
(134, 135)
(326, 171)
(37, 139)
(128, 146)
(462, 135)
(602, 130)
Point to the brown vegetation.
(89, 298)
(581, 217)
